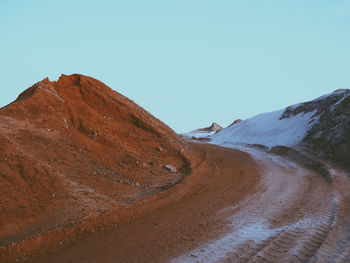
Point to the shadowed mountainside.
(330, 138)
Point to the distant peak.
(215, 127)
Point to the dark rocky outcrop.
(330, 137)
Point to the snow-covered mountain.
(269, 129)
(320, 127)
(286, 127)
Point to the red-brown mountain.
(75, 148)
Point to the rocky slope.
(329, 138)
(75, 148)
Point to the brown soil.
(84, 178)
(73, 150)
(178, 219)
(226, 192)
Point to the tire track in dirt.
(295, 215)
(296, 244)
(336, 246)
(327, 240)
(311, 217)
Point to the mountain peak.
(76, 133)
(214, 127)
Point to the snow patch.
(198, 134)
(251, 224)
(217, 249)
(268, 129)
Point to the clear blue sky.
(188, 62)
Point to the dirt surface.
(74, 150)
(86, 175)
(297, 216)
(180, 219)
(232, 209)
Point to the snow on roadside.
(255, 232)
(251, 223)
(268, 129)
(217, 249)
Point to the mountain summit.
(75, 148)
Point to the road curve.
(238, 206)
(297, 216)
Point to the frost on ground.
(252, 223)
(295, 215)
(252, 233)
(217, 249)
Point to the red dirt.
(83, 178)
(176, 220)
(74, 150)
